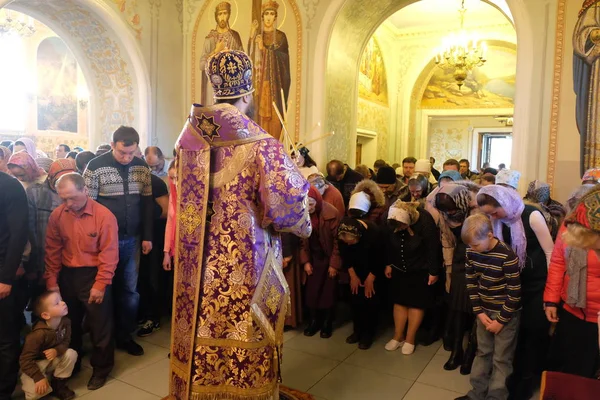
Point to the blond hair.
(579, 236)
(477, 226)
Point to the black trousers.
(9, 344)
(153, 281)
(364, 315)
(75, 285)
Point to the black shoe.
(77, 367)
(352, 339)
(61, 390)
(132, 348)
(327, 328)
(455, 360)
(365, 344)
(148, 328)
(469, 356)
(312, 328)
(96, 382)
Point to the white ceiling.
(434, 14)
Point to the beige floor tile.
(161, 338)
(288, 335)
(126, 364)
(117, 390)
(334, 348)
(153, 379)
(420, 391)
(348, 382)
(435, 375)
(301, 370)
(378, 359)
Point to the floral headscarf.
(25, 160)
(513, 207)
(553, 212)
(59, 168)
(461, 197)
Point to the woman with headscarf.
(449, 177)
(453, 204)
(320, 257)
(25, 144)
(371, 206)
(43, 199)
(44, 163)
(574, 282)
(5, 154)
(23, 167)
(412, 252)
(524, 228)
(359, 245)
(538, 193)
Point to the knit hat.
(360, 201)
(508, 177)
(454, 175)
(386, 176)
(423, 166)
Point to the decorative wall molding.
(555, 107)
(179, 8)
(129, 9)
(310, 9)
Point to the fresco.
(372, 78)
(270, 33)
(489, 86)
(57, 86)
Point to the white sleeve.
(542, 233)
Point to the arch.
(110, 59)
(348, 24)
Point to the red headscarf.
(26, 161)
(58, 168)
(314, 194)
(587, 211)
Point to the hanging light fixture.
(461, 51)
(15, 24)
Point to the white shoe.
(408, 349)
(393, 345)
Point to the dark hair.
(464, 160)
(227, 101)
(487, 200)
(409, 160)
(492, 171)
(74, 178)
(432, 160)
(500, 166)
(379, 163)
(8, 144)
(126, 135)
(489, 178)
(19, 143)
(156, 149)
(452, 161)
(103, 148)
(83, 159)
(419, 180)
(65, 147)
(39, 306)
(72, 154)
(336, 165)
(309, 162)
(172, 164)
(444, 202)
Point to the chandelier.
(461, 51)
(15, 24)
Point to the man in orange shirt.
(82, 252)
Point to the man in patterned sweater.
(121, 182)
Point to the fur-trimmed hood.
(370, 187)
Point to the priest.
(237, 190)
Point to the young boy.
(46, 351)
(494, 286)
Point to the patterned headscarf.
(351, 226)
(513, 207)
(587, 212)
(538, 192)
(461, 197)
(406, 213)
(59, 168)
(25, 160)
(553, 212)
(29, 146)
(592, 174)
(44, 163)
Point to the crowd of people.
(445, 254)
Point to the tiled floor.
(329, 369)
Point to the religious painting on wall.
(489, 86)
(586, 81)
(372, 78)
(57, 86)
(270, 32)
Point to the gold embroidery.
(273, 300)
(207, 126)
(190, 219)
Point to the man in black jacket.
(343, 178)
(121, 182)
(13, 238)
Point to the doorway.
(366, 147)
(495, 149)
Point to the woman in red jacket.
(320, 257)
(574, 281)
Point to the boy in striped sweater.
(494, 286)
